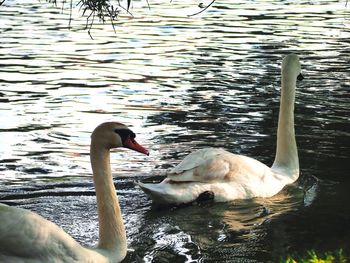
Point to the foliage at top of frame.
(104, 10)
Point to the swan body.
(26, 237)
(231, 176)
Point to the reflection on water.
(182, 84)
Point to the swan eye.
(125, 134)
(300, 77)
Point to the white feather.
(230, 176)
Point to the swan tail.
(165, 193)
(156, 193)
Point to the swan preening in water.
(27, 237)
(227, 176)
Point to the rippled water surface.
(181, 83)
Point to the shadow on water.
(215, 232)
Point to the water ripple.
(181, 83)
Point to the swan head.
(113, 135)
(291, 67)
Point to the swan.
(27, 237)
(224, 176)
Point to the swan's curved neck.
(112, 236)
(286, 160)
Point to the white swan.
(27, 237)
(230, 176)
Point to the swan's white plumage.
(37, 239)
(202, 165)
(230, 176)
(29, 238)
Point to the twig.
(70, 14)
(205, 8)
(128, 4)
(93, 18)
(149, 7)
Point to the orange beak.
(133, 145)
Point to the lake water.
(181, 83)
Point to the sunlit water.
(181, 83)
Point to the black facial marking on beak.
(123, 133)
(128, 140)
(300, 77)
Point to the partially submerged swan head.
(111, 135)
(291, 68)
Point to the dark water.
(182, 84)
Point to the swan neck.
(286, 160)
(112, 236)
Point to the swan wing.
(205, 165)
(196, 159)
